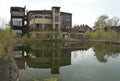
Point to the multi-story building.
(18, 20)
(49, 20)
(40, 20)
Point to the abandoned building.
(49, 20)
(82, 28)
(37, 21)
(18, 20)
(77, 32)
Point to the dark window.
(65, 27)
(39, 25)
(37, 16)
(48, 26)
(56, 25)
(66, 17)
(48, 17)
(56, 19)
(17, 31)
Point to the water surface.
(68, 62)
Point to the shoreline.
(76, 40)
(104, 41)
(53, 40)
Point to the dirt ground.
(8, 70)
(4, 70)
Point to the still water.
(68, 62)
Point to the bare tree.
(115, 21)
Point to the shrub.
(33, 35)
(101, 34)
(6, 41)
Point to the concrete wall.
(40, 20)
(78, 36)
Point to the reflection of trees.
(103, 51)
(101, 57)
(62, 51)
(46, 55)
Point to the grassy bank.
(6, 42)
(42, 36)
(103, 36)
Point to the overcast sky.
(83, 11)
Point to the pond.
(68, 62)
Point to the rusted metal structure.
(18, 20)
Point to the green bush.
(101, 34)
(6, 41)
(33, 35)
(25, 37)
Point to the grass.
(43, 35)
(103, 35)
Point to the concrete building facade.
(54, 22)
(49, 20)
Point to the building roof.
(31, 12)
(56, 7)
(116, 28)
(66, 13)
(82, 28)
(17, 9)
(39, 11)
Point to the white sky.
(83, 11)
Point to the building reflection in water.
(42, 58)
(43, 61)
(52, 55)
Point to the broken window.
(48, 26)
(17, 21)
(38, 25)
(38, 16)
(48, 17)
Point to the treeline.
(103, 35)
(100, 33)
